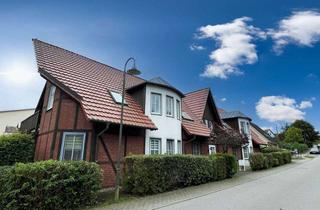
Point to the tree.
(293, 134)
(309, 134)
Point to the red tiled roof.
(194, 104)
(256, 139)
(90, 81)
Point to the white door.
(212, 149)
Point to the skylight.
(186, 116)
(117, 97)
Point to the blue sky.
(259, 57)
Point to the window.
(245, 152)
(178, 110)
(52, 92)
(212, 149)
(155, 103)
(244, 127)
(208, 123)
(117, 97)
(196, 148)
(170, 146)
(179, 146)
(155, 146)
(186, 116)
(169, 106)
(72, 146)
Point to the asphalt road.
(291, 189)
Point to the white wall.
(168, 127)
(13, 118)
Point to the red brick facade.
(67, 116)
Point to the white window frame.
(179, 148)
(212, 149)
(155, 138)
(51, 95)
(117, 97)
(172, 106)
(160, 105)
(63, 141)
(173, 147)
(178, 108)
(248, 152)
(246, 130)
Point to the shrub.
(159, 173)
(257, 161)
(231, 164)
(286, 156)
(16, 148)
(271, 149)
(292, 146)
(49, 185)
(269, 159)
(279, 157)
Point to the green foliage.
(292, 146)
(308, 131)
(16, 148)
(259, 161)
(231, 164)
(49, 185)
(159, 173)
(271, 149)
(293, 134)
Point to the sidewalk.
(176, 196)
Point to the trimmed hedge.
(259, 161)
(149, 174)
(49, 185)
(16, 148)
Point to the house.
(241, 123)
(78, 113)
(260, 138)
(10, 119)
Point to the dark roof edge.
(194, 91)
(157, 84)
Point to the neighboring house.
(241, 123)
(10, 119)
(78, 114)
(260, 138)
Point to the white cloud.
(305, 104)
(279, 108)
(223, 99)
(194, 47)
(301, 28)
(235, 46)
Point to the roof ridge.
(85, 57)
(194, 91)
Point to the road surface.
(292, 189)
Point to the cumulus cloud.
(279, 108)
(235, 46)
(223, 99)
(301, 28)
(305, 104)
(194, 47)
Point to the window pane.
(51, 97)
(73, 146)
(169, 105)
(178, 110)
(155, 145)
(117, 97)
(170, 146)
(179, 147)
(155, 103)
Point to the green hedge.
(259, 161)
(159, 173)
(16, 148)
(49, 185)
(294, 146)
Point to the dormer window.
(117, 97)
(52, 92)
(208, 123)
(169, 106)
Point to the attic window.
(117, 97)
(186, 116)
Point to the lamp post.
(132, 71)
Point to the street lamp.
(132, 71)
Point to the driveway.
(292, 186)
